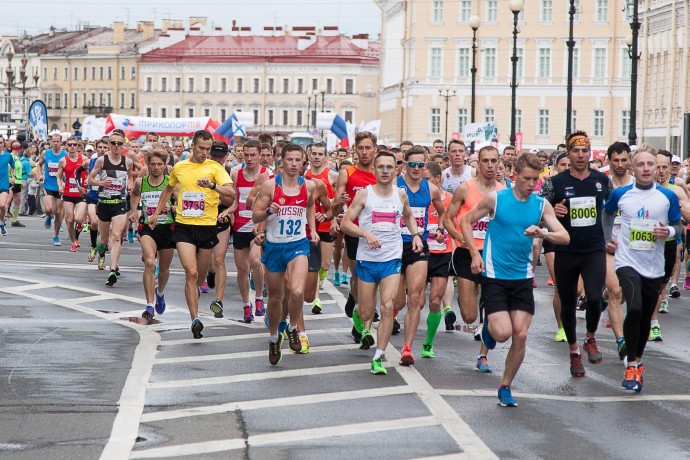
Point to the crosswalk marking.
(247, 354)
(261, 335)
(628, 397)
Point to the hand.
(223, 217)
(661, 232)
(533, 231)
(320, 217)
(153, 220)
(611, 246)
(335, 228)
(560, 209)
(344, 198)
(259, 238)
(274, 207)
(417, 245)
(339, 218)
(204, 182)
(477, 266)
(107, 182)
(61, 189)
(315, 239)
(440, 237)
(82, 190)
(372, 241)
(132, 217)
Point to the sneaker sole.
(450, 319)
(316, 310)
(502, 404)
(196, 330)
(407, 360)
(366, 342)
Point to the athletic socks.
(378, 354)
(100, 248)
(15, 213)
(93, 232)
(433, 320)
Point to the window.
(462, 119)
(164, 112)
(108, 99)
(223, 115)
(132, 100)
(435, 122)
(149, 84)
(178, 112)
(624, 123)
(110, 73)
(122, 99)
(66, 74)
(83, 99)
(75, 102)
(573, 121)
(518, 120)
(286, 85)
(300, 86)
(93, 99)
(435, 62)
(83, 74)
(55, 73)
(626, 63)
(314, 83)
(255, 112)
(576, 62)
(285, 117)
(349, 116)
(489, 115)
(546, 11)
(100, 100)
(598, 127)
(45, 74)
(520, 63)
(207, 85)
(256, 86)
(223, 85)
(349, 86)
(164, 84)
(271, 86)
(437, 11)
(601, 11)
(299, 116)
(543, 122)
(490, 62)
(93, 73)
(578, 10)
(190, 85)
(329, 86)
(240, 85)
(190, 112)
(544, 62)
(178, 84)
(463, 69)
(600, 62)
(76, 74)
(148, 112)
(122, 72)
(491, 10)
(269, 117)
(207, 112)
(133, 72)
(57, 100)
(465, 10)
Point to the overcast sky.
(36, 16)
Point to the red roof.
(283, 49)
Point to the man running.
(506, 264)
(48, 165)
(73, 204)
(6, 182)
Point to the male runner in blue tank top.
(48, 167)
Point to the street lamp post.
(515, 6)
(446, 93)
(309, 95)
(475, 22)
(323, 99)
(631, 41)
(571, 52)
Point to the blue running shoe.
(505, 397)
(336, 279)
(160, 302)
(343, 279)
(156, 270)
(48, 222)
(483, 365)
(632, 380)
(130, 236)
(259, 309)
(56, 241)
(148, 313)
(251, 282)
(487, 340)
(204, 288)
(3, 232)
(248, 316)
(282, 327)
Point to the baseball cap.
(219, 149)
(88, 148)
(675, 159)
(534, 151)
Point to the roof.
(77, 42)
(252, 49)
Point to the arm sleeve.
(547, 191)
(607, 223)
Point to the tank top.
(243, 216)
(288, 224)
(51, 161)
(434, 246)
(70, 168)
(323, 227)
(419, 202)
(118, 174)
(479, 228)
(381, 216)
(451, 182)
(150, 196)
(93, 189)
(357, 180)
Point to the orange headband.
(579, 141)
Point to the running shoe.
(622, 348)
(74, 247)
(550, 281)
(406, 358)
(505, 397)
(101, 262)
(78, 228)
(16, 223)
(248, 317)
(396, 327)
(316, 307)
(160, 302)
(148, 313)
(356, 335)
(156, 271)
(487, 340)
(560, 336)
(78, 243)
(576, 367)
(56, 241)
(293, 340)
(686, 285)
(282, 327)
(343, 279)
(112, 278)
(211, 280)
(483, 365)
(632, 379)
(655, 333)
(130, 236)
(259, 309)
(349, 305)
(3, 232)
(367, 340)
(582, 303)
(92, 255)
(478, 333)
(376, 317)
(592, 350)
(377, 367)
(663, 308)
(204, 288)
(217, 308)
(336, 279)
(304, 340)
(197, 327)
(449, 318)
(251, 282)
(48, 222)
(428, 351)
(322, 274)
(674, 291)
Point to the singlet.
(197, 205)
(118, 174)
(451, 182)
(479, 228)
(434, 246)
(18, 168)
(93, 189)
(677, 238)
(289, 223)
(617, 219)
(51, 162)
(419, 203)
(150, 196)
(507, 251)
(69, 170)
(323, 227)
(381, 216)
(243, 216)
(641, 209)
(357, 180)
(6, 161)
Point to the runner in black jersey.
(578, 196)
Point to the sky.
(36, 16)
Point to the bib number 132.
(290, 227)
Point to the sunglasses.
(117, 143)
(71, 144)
(415, 164)
(399, 162)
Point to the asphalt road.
(83, 377)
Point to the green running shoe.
(560, 336)
(377, 367)
(322, 274)
(428, 351)
(655, 333)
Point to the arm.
(256, 189)
(321, 195)
(97, 168)
(134, 201)
(437, 200)
(235, 203)
(450, 214)
(264, 205)
(484, 207)
(311, 220)
(60, 172)
(347, 225)
(162, 202)
(607, 223)
(411, 223)
(341, 197)
(557, 234)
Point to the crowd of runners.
(404, 227)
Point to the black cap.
(219, 151)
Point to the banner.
(236, 125)
(38, 120)
(518, 142)
(480, 132)
(139, 126)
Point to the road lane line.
(248, 354)
(325, 316)
(627, 397)
(275, 403)
(197, 448)
(259, 335)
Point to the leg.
(467, 297)
(219, 253)
(187, 254)
(148, 251)
(59, 213)
(257, 270)
(117, 228)
(549, 256)
(3, 209)
(165, 257)
(295, 287)
(567, 271)
(520, 321)
(276, 292)
(593, 272)
(615, 297)
(416, 298)
(388, 288)
(68, 208)
(242, 264)
(631, 285)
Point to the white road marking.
(263, 335)
(247, 354)
(625, 397)
(324, 316)
(89, 266)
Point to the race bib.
(72, 185)
(642, 235)
(480, 227)
(151, 205)
(384, 217)
(289, 226)
(53, 168)
(193, 204)
(431, 239)
(583, 211)
(419, 213)
(242, 210)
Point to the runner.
(15, 196)
(102, 147)
(73, 204)
(48, 165)
(200, 182)
(506, 265)
(286, 204)
(649, 214)
(6, 182)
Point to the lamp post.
(571, 52)
(323, 99)
(631, 41)
(309, 95)
(475, 22)
(446, 93)
(515, 6)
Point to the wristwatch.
(417, 234)
(213, 185)
(442, 230)
(268, 211)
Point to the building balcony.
(54, 112)
(97, 110)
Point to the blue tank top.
(50, 166)
(419, 201)
(93, 189)
(507, 251)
